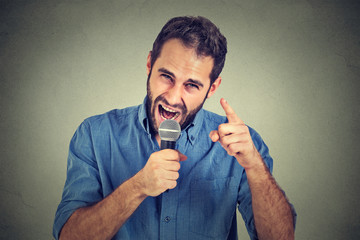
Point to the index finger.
(230, 113)
(173, 155)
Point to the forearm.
(104, 219)
(272, 212)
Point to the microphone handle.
(167, 144)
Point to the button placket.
(168, 214)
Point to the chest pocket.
(213, 207)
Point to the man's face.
(178, 84)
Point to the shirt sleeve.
(82, 187)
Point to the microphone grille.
(169, 130)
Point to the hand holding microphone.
(161, 170)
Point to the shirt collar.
(143, 116)
(192, 130)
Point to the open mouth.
(167, 113)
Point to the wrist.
(254, 162)
(138, 186)
(257, 169)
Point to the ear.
(214, 87)
(148, 64)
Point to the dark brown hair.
(198, 33)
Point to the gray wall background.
(292, 73)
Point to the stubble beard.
(150, 109)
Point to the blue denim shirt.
(108, 149)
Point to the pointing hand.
(235, 138)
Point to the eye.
(192, 86)
(166, 77)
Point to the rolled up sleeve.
(82, 187)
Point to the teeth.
(176, 115)
(168, 109)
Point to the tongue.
(167, 115)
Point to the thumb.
(182, 157)
(214, 135)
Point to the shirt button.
(192, 138)
(167, 219)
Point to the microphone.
(169, 131)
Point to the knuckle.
(154, 155)
(224, 141)
(232, 148)
(222, 127)
(177, 166)
(173, 154)
(245, 128)
(172, 185)
(167, 153)
(230, 152)
(223, 144)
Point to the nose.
(174, 96)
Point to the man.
(121, 185)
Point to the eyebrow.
(163, 70)
(197, 82)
